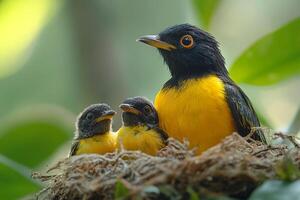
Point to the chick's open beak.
(107, 115)
(153, 40)
(130, 109)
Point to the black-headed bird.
(200, 102)
(93, 131)
(140, 127)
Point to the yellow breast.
(99, 144)
(139, 138)
(197, 111)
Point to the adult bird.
(93, 131)
(200, 102)
(140, 129)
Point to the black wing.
(243, 113)
(163, 135)
(74, 148)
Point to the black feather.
(74, 148)
(245, 118)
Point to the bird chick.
(140, 129)
(93, 131)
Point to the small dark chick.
(140, 129)
(93, 131)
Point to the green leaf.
(32, 141)
(169, 192)
(205, 10)
(121, 192)
(193, 195)
(15, 181)
(277, 190)
(273, 58)
(287, 170)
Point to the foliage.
(277, 190)
(205, 10)
(24, 145)
(287, 170)
(20, 141)
(121, 192)
(14, 184)
(193, 195)
(271, 59)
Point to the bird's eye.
(90, 116)
(187, 41)
(147, 109)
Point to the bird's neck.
(100, 131)
(130, 120)
(181, 74)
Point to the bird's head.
(188, 51)
(138, 111)
(95, 119)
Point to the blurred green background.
(58, 56)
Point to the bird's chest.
(197, 110)
(98, 144)
(139, 138)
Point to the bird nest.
(235, 167)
